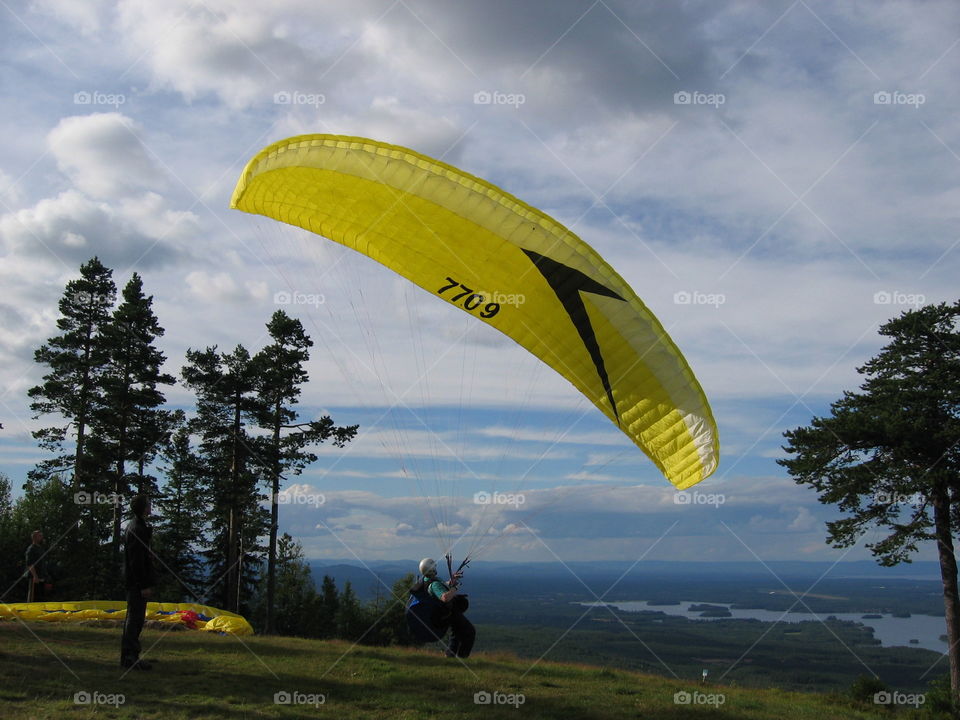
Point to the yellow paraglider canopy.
(207, 618)
(473, 245)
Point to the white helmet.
(428, 567)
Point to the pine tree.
(296, 597)
(350, 618)
(13, 541)
(130, 425)
(393, 625)
(889, 455)
(224, 385)
(280, 374)
(180, 508)
(329, 605)
(72, 389)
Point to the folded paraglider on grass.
(192, 616)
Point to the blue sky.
(774, 180)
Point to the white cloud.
(10, 194)
(559, 436)
(584, 476)
(220, 289)
(71, 227)
(242, 57)
(84, 15)
(103, 155)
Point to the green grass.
(43, 666)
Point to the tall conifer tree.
(224, 385)
(130, 423)
(279, 375)
(72, 389)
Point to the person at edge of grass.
(462, 632)
(139, 577)
(36, 568)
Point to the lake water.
(889, 630)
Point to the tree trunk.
(274, 522)
(121, 469)
(948, 573)
(117, 506)
(84, 392)
(233, 559)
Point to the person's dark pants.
(462, 635)
(136, 611)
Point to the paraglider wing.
(192, 615)
(507, 264)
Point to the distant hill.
(795, 568)
(633, 579)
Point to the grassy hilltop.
(46, 669)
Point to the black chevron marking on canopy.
(568, 283)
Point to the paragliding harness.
(428, 617)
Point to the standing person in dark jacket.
(138, 565)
